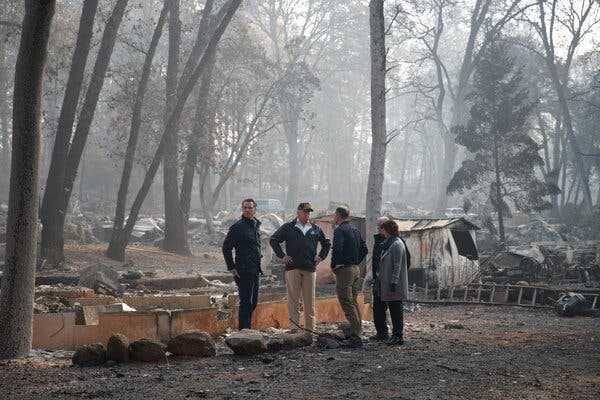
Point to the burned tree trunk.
(374, 196)
(16, 294)
(120, 239)
(52, 229)
(136, 121)
(199, 135)
(291, 134)
(175, 239)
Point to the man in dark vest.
(244, 237)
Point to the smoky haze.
(286, 112)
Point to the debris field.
(457, 352)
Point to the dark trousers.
(248, 294)
(380, 318)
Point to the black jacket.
(378, 240)
(244, 237)
(302, 248)
(349, 248)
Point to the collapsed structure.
(443, 251)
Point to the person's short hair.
(306, 206)
(391, 227)
(343, 212)
(250, 200)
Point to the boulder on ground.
(329, 342)
(100, 276)
(194, 343)
(117, 349)
(289, 341)
(146, 350)
(247, 342)
(132, 275)
(90, 355)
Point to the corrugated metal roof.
(421, 224)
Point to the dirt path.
(451, 353)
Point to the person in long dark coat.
(393, 279)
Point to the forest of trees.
(184, 107)
(287, 89)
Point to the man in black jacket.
(301, 238)
(244, 237)
(349, 250)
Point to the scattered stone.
(267, 359)
(247, 342)
(194, 343)
(90, 355)
(454, 326)
(117, 349)
(146, 350)
(101, 278)
(132, 275)
(289, 341)
(328, 342)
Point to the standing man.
(244, 237)
(301, 237)
(349, 250)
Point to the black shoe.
(379, 338)
(356, 343)
(395, 341)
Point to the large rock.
(99, 277)
(147, 350)
(117, 349)
(247, 342)
(289, 341)
(90, 355)
(194, 343)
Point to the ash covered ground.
(458, 352)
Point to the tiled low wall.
(58, 331)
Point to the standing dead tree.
(120, 239)
(16, 294)
(136, 121)
(374, 197)
(579, 22)
(67, 154)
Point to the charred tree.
(136, 121)
(16, 294)
(119, 240)
(56, 208)
(175, 239)
(374, 195)
(199, 135)
(52, 229)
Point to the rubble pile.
(535, 231)
(554, 262)
(58, 298)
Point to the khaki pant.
(348, 286)
(301, 284)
